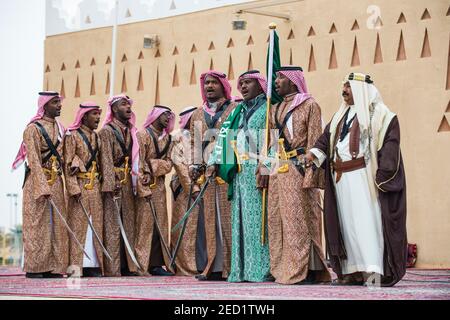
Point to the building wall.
(406, 50)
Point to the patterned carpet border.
(416, 285)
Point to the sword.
(166, 248)
(94, 232)
(152, 207)
(180, 237)
(188, 213)
(68, 228)
(124, 235)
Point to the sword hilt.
(92, 176)
(53, 171)
(126, 171)
(282, 156)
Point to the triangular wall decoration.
(426, 50)
(333, 60)
(311, 32)
(401, 18)
(378, 58)
(425, 15)
(140, 86)
(92, 85)
(401, 52)
(124, 82)
(355, 55)
(312, 60)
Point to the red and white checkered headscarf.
(85, 107)
(253, 74)
(109, 113)
(295, 74)
(135, 151)
(222, 77)
(44, 98)
(156, 112)
(185, 116)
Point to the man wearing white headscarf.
(365, 193)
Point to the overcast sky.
(22, 35)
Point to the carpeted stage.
(417, 284)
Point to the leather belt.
(293, 153)
(348, 166)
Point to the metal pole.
(15, 209)
(272, 28)
(16, 234)
(10, 196)
(4, 247)
(114, 50)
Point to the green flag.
(224, 153)
(276, 66)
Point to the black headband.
(358, 78)
(290, 68)
(89, 107)
(117, 99)
(188, 111)
(216, 75)
(49, 93)
(249, 72)
(163, 107)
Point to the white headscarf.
(374, 118)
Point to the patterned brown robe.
(77, 155)
(185, 260)
(213, 192)
(294, 217)
(111, 153)
(45, 238)
(151, 254)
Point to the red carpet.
(417, 284)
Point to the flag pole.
(272, 28)
(114, 50)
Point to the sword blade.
(161, 236)
(188, 213)
(95, 232)
(69, 229)
(124, 236)
(180, 237)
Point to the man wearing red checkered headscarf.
(235, 159)
(214, 234)
(155, 144)
(81, 154)
(181, 188)
(45, 238)
(119, 155)
(294, 217)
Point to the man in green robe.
(235, 160)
